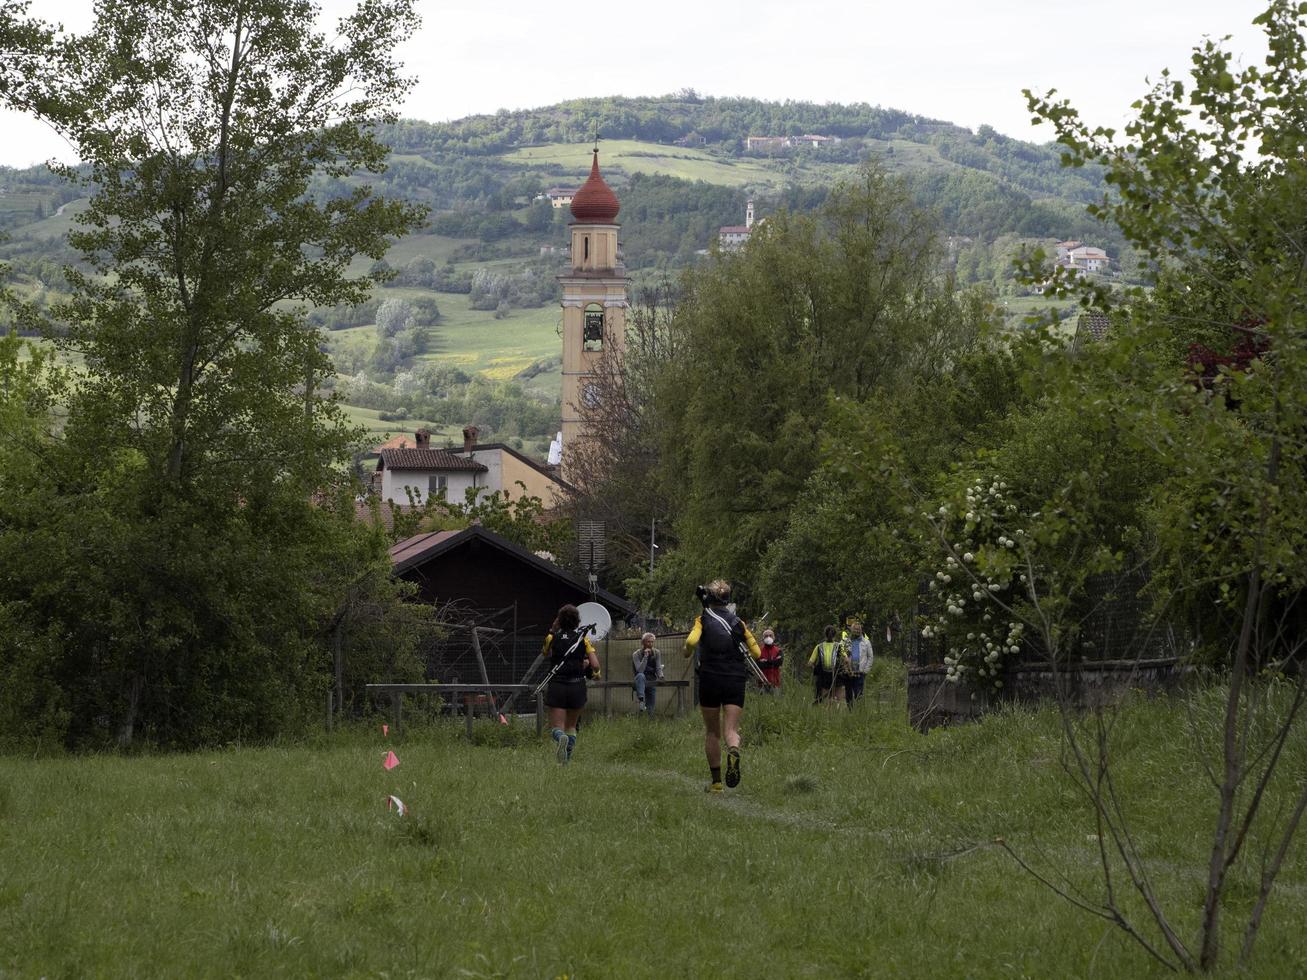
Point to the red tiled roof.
(734, 230)
(427, 459)
(595, 203)
(1093, 325)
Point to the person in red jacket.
(772, 658)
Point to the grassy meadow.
(377, 430)
(853, 847)
(438, 248)
(473, 340)
(55, 225)
(642, 157)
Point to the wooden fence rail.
(396, 694)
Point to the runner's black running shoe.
(732, 767)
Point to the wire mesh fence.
(449, 656)
(1113, 619)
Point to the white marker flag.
(396, 803)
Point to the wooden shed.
(487, 571)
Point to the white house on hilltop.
(731, 237)
(560, 197)
(1086, 258)
(769, 144)
(1083, 258)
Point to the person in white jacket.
(860, 655)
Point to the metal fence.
(450, 656)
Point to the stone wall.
(933, 701)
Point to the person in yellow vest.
(723, 641)
(829, 665)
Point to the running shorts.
(565, 694)
(716, 690)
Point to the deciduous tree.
(187, 588)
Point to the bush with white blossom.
(979, 583)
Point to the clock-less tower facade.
(594, 306)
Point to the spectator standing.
(772, 658)
(860, 658)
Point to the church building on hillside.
(594, 306)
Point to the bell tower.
(594, 305)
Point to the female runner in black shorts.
(723, 641)
(570, 652)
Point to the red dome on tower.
(595, 203)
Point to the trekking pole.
(743, 647)
(562, 660)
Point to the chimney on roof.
(469, 439)
(423, 438)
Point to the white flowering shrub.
(982, 579)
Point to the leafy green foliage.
(520, 517)
(440, 393)
(846, 304)
(183, 572)
(1218, 199)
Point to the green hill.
(682, 168)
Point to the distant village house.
(731, 237)
(1083, 258)
(770, 144)
(420, 472)
(1086, 258)
(559, 197)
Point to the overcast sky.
(965, 62)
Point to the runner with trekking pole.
(574, 660)
(725, 645)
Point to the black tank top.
(720, 642)
(573, 662)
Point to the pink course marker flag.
(390, 761)
(385, 729)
